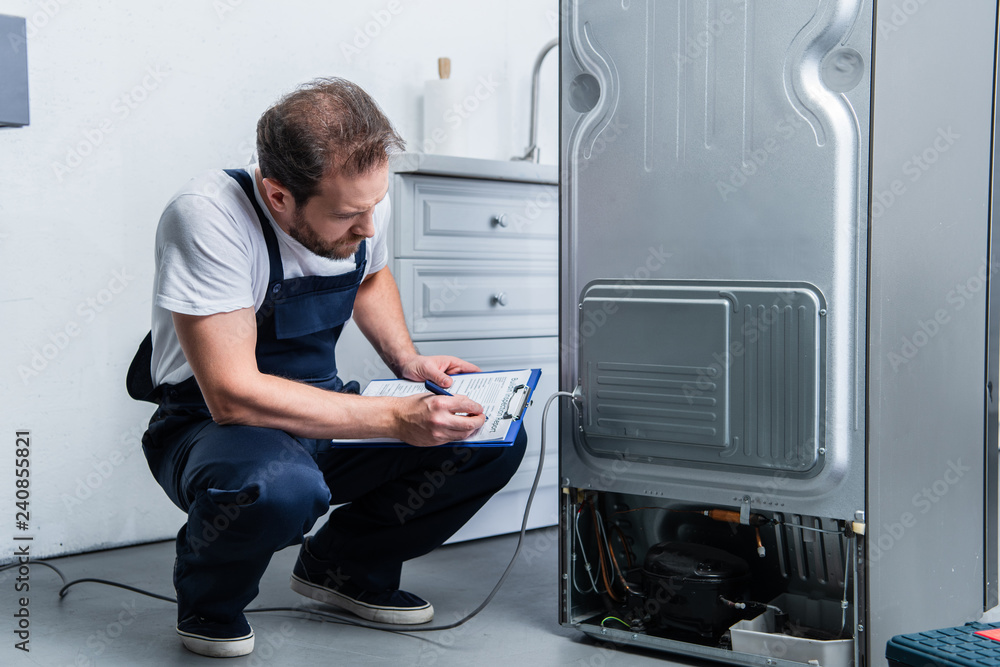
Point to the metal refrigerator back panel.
(705, 372)
(714, 242)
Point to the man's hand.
(426, 420)
(436, 369)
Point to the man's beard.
(304, 234)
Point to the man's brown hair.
(325, 126)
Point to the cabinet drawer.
(461, 217)
(464, 299)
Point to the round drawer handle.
(501, 220)
(499, 299)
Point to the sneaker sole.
(378, 614)
(214, 647)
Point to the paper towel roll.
(446, 132)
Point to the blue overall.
(250, 491)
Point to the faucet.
(532, 153)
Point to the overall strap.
(139, 379)
(276, 272)
(361, 255)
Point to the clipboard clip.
(517, 413)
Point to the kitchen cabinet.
(474, 248)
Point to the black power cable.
(339, 618)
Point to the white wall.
(129, 100)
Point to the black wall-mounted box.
(13, 71)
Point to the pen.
(433, 388)
(440, 391)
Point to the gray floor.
(96, 625)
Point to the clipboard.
(518, 404)
(512, 409)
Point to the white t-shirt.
(211, 257)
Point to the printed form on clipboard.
(504, 395)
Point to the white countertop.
(466, 167)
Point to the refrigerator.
(778, 323)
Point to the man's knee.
(293, 495)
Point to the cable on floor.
(339, 618)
